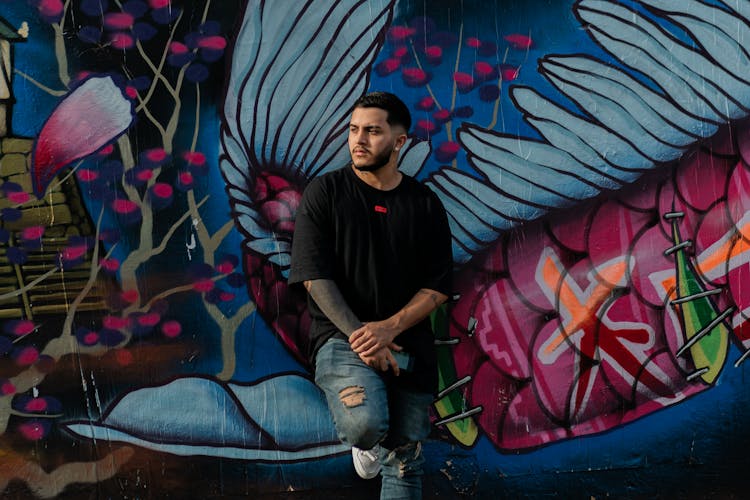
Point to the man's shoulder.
(334, 175)
(417, 188)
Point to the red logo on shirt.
(381, 210)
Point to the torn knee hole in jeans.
(352, 396)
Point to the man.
(373, 249)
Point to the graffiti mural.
(593, 159)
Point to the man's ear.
(400, 141)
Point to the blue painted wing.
(697, 62)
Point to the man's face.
(371, 139)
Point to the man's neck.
(385, 178)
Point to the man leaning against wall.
(373, 249)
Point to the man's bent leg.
(402, 458)
(355, 393)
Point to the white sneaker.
(366, 462)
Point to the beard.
(378, 162)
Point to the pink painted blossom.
(27, 356)
(194, 157)
(149, 319)
(19, 197)
(171, 328)
(50, 8)
(33, 431)
(204, 285)
(32, 233)
(213, 42)
(178, 48)
(124, 357)
(7, 388)
(86, 175)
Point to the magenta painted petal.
(494, 393)
(702, 177)
(88, 118)
(527, 251)
(525, 424)
(670, 201)
(738, 199)
(571, 231)
(504, 329)
(554, 372)
(627, 341)
(610, 235)
(713, 242)
(652, 274)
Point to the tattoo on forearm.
(432, 295)
(328, 297)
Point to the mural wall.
(594, 160)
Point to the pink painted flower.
(118, 20)
(400, 33)
(110, 264)
(51, 9)
(7, 388)
(156, 155)
(124, 206)
(124, 357)
(32, 233)
(149, 319)
(120, 40)
(464, 81)
(73, 252)
(415, 77)
(390, 65)
(36, 405)
(204, 285)
(518, 41)
(115, 322)
(178, 48)
(212, 42)
(26, 356)
(106, 150)
(194, 157)
(171, 329)
(21, 328)
(163, 190)
(129, 296)
(19, 197)
(33, 431)
(434, 54)
(86, 175)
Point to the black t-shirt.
(380, 247)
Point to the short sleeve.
(312, 243)
(439, 271)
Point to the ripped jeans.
(367, 412)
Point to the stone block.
(13, 164)
(16, 145)
(41, 216)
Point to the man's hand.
(372, 337)
(381, 360)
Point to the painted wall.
(593, 158)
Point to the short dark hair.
(398, 113)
